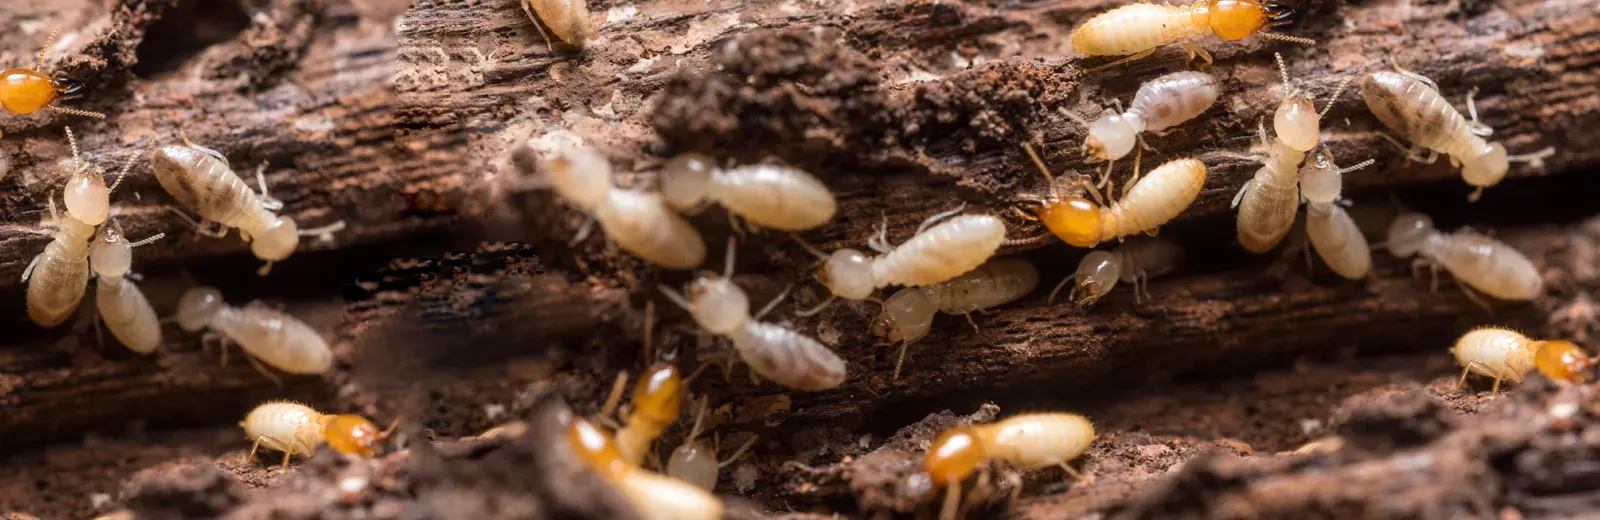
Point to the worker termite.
(297, 429)
(654, 496)
(1137, 30)
(640, 222)
(1161, 103)
(264, 333)
(202, 180)
(25, 91)
(121, 304)
(569, 19)
(1332, 233)
(767, 195)
(1146, 205)
(1410, 105)
(907, 316)
(1478, 261)
(58, 277)
(786, 357)
(1267, 202)
(937, 252)
(1137, 260)
(1029, 441)
(696, 463)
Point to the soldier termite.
(1564, 361)
(202, 180)
(767, 195)
(1161, 103)
(1137, 260)
(654, 496)
(1137, 30)
(122, 305)
(569, 19)
(297, 429)
(786, 357)
(696, 463)
(1332, 233)
(58, 276)
(1410, 105)
(1267, 202)
(25, 91)
(938, 252)
(907, 316)
(639, 222)
(1146, 205)
(1028, 441)
(1475, 260)
(657, 400)
(267, 334)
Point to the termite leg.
(952, 498)
(263, 370)
(1478, 128)
(1462, 383)
(536, 25)
(253, 447)
(615, 397)
(324, 233)
(29, 271)
(200, 227)
(974, 324)
(1133, 57)
(880, 242)
(583, 231)
(1473, 295)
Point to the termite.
(657, 400)
(267, 334)
(202, 180)
(569, 19)
(775, 352)
(121, 304)
(1564, 361)
(653, 496)
(1476, 260)
(1267, 202)
(695, 462)
(1495, 352)
(297, 429)
(1137, 30)
(1029, 441)
(58, 277)
(1333, 234)
(25, 91)
(1409, 104)
(767, 195)
(907, 316)
(937, 252)
(1139, 259)
(639, 222)
(1145, 206)
(1161, 103)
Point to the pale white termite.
(1145, 206)
(654, 496)
(58, 277)
(907, 316)
(786, 357)
(264, 333)
(937, 252)
(1495, 352)
(201, 179)
(639, 222)
(1161, 103)
(695, 462)
(1333, 234)
(297, 429)
(86, 196)
(767, 195)
(569, 19)
(1135, 261)
(1267, 202)
(1480, 262)
(1410, 105)
(1028, 441)
(122, 305)
(1137, 30)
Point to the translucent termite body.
(267, 334)
(657, 400)
(122, 305)
(938, 252)
(1267, 202)
(1135, 261)
(767, 195)
(569, 19)
(1145, 206)
(786, 357)
(25, 91)
(1482, 263)
(59, 276)
(1332, 233)
(908, 314)
(297, 429)
(1410, 105)
(654, 496)
(639, 222)
(1161, 103)
(1029, 441)
(695, 462)
(1137, 30)
(201, 179)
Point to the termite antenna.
(76, 112)
(38, 60)
(803, 313)
(649, 319)
(1535, 159)
(727, 266)
(148, 240)
(72, 140)
(1283, 71)
(676, 298)
(1335, 97)
(324, 233)
(1290, 39)
(821, 256)
(1055, 191)
(739, 452)
(1363, 164)
(1074, 117)
(122, 173)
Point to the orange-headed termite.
(25, 91)
(1505, 354)
(907, 316)
(766, 195)
(1137, 30)
(1475, 260)
(657, 399)
(654, 496)
(1028, 441)
(297, 429)
(1145, 205)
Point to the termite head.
(686, 180)
(1407, 234)
(1321, 180)
(277, 241)
(1236, 19)
(87, 198)
(906, 316)
(595, 447)
(1096, 275)
(581, 176)
(847, 273)
(1485, 167)
(353, 434)
(954, 455)
(67, 88)
(1112, 136)
(1563, 360)
(197, 306)
(1297, 123)
(110, 254)
(718, 305)
(658, 396)
(1075, 220)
